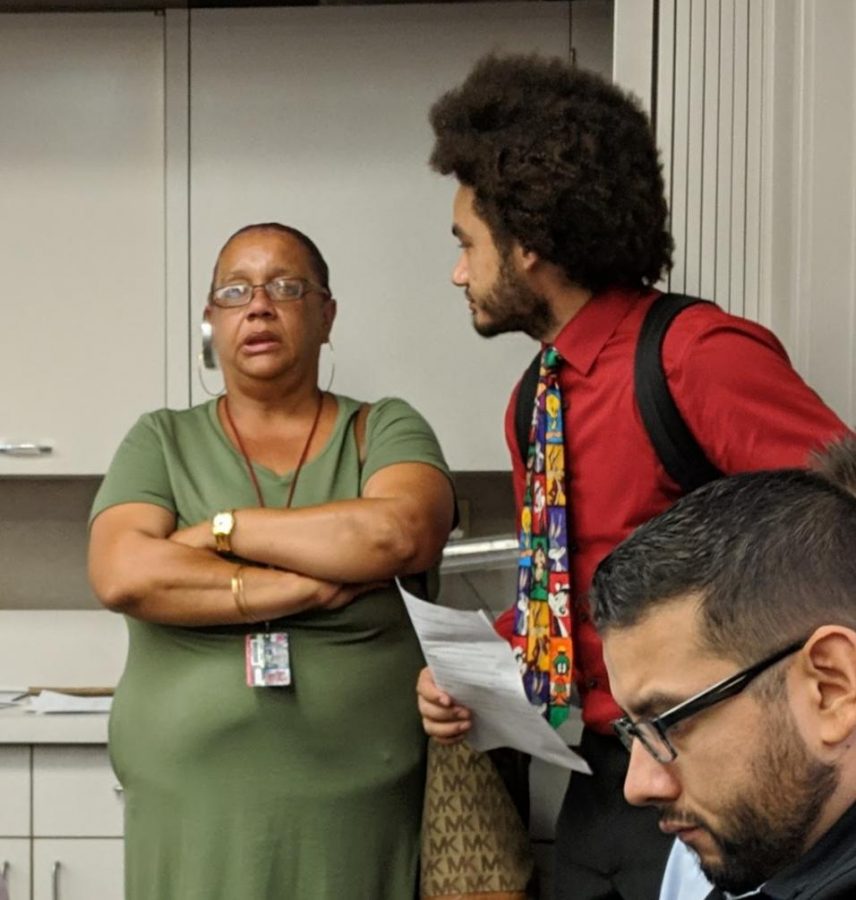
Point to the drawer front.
(14, 791)
(15, 867)
(75, 793)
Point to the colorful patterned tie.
(542, 622)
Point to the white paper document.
(476, 667)
(10, 696)
(53, 702)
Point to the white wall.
(317, 117)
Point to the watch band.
(222, 525)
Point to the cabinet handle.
(55, 881)
(26, 449)
(5, 873)
(118, 789)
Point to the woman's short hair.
(316, 260)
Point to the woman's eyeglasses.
(278, 290)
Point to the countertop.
(19, 726)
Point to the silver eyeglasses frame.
(282, 289)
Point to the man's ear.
(828, 673)
(525, 260)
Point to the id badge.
(267, 659)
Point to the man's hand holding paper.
(472, 664)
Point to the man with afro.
(562, 224)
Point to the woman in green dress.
(265, 728)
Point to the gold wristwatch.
(222, 526)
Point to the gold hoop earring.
(207, 358)
(207, 355)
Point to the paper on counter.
(473, 664)
(52, 702)
(9, 696)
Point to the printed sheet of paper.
(473, 664)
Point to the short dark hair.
(317, 261)
(837, 461)
(770, 556)
(561, 161)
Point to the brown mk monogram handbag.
(474, 844)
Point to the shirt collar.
(745, 896)
(586, 334)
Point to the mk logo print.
(472, 838)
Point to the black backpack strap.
(673, 442)
(525, 402)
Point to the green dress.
(311, 792)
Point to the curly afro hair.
(562, 162)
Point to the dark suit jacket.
(826, 872)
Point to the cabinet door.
(81, 236)
(77, 870)
(15, 867)
(75, 793)
(14, 792)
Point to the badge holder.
(267, 659)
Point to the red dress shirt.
(735, 388)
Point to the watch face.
(222, 522)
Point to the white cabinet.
(15, 866)
(77, 870)
(15, 820)
(75, 793)
(82, 349)
(14, 792)
(61, 829)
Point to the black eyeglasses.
(279, 290)
(652, 732)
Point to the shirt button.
(592, 683)
(583, 617)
